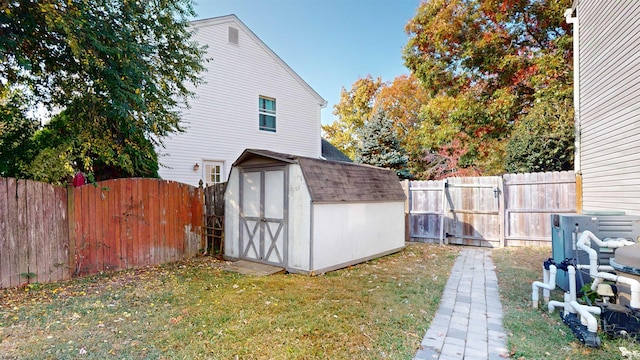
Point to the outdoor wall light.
(196, 167)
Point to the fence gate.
(473, 211)
(214, 219)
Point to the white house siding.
(610, 104)
(223, 119)
(343, 233)
(299, 221)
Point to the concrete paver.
(468, 323)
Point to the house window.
(267, 114)
(212, 172)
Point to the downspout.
(577, 161)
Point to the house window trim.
(206, 175)
(263, 111)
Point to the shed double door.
(263, 235)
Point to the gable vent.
(233, 35)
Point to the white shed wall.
(344, 233)
(299, 221)
(610, 104)
(223, 119)
(232, 216)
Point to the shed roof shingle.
(333, 181)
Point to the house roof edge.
(233, 18)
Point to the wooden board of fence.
(425, 209)
(33, 233)
(511, 210)
(530, 199)
(127, 223)
(473, 211)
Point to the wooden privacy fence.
(127, 223)
(49, 233)
(34, 232)
(494, 211)
(214, 218)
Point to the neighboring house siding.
(223, 119)
(610, 104)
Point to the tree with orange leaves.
(400, 100)
(485, 64)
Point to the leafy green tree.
(16, 131)
(118, 70)
(380, 145)
(539, 144)
(482, 62)
(66, 145)
(353, 110)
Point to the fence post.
(502, 210)
(71, 222)
(202, 198)
(578, 193)
(444, 212)
(407, 210)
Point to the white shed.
(310, 215)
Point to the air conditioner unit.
(565, 229)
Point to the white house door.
(263, 235)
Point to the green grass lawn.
(195, 310)
(534, 333)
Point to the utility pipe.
(600, 267)
(553, 304)
(585, 244)
(572, 282)
(568, 309)
(633, 284)
(549, 284)
(546, 293)
(592, 323)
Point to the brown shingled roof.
(332, 181)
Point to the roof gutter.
(573, 20)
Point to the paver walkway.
(468, 323)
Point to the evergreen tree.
(380, 145)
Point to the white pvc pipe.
(572, 282)
(592, 323)
(633, 284)
(600, 267)
(567, 305)
(552, 305)
(549, 285)
(546, 293)
(584, 244)
(597, 281)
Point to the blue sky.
(329, 43)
